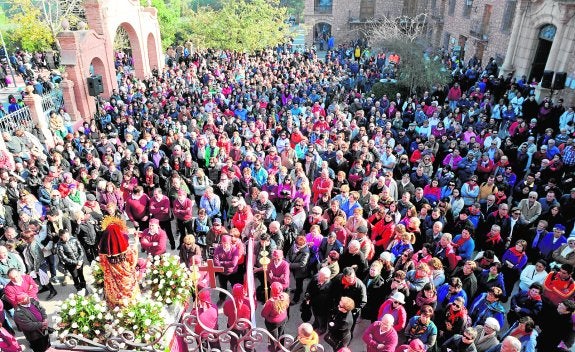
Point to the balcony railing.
(322, 9)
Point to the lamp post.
(8, 59)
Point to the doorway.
(545, 41)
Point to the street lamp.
(8, 59)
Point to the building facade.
(526, 37)
(347, 20)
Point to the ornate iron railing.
(19, 119)
(52, 101)
(242, 334)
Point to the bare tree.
(402, 28)
(56, 11)
(417, 70)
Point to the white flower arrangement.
(169, 280)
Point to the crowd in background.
(417, 213)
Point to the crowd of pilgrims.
(416, 214)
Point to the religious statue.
(118, 260)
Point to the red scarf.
(460, 242)
(347, 282)
(493, 239)
(452, 315)
(516, 253)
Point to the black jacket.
(70, 252)
(375, 296)
(357, 292)
(28, 323)
(298, 261)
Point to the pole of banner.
(264, 261)
(250, 279)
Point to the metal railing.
(52, 101)
(19, 119)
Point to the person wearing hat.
(236, 308)
(207, 314)
(278, 269)
(275, 312)
(414, 346)
(365, 244)
(31, 318)
(118, 258)
(226, 256)
(487, 335)
(154, 239)
(564, 254)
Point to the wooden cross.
(211, 269)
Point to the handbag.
(305, 309)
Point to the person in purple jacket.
(226, 256)
(552, 241)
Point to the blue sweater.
(466, 249)
(546, 245)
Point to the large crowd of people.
(416, 213)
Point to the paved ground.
(53, 306)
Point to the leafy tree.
(170, 17)
(31, 32)
(241, 25)
(403, 35)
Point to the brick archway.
(152, 52)
(82, 48)
(137, 47)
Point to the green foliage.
(169, 17)
(416, 70)
(240, 25)
(380, 89)
(30, 31)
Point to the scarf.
(451, 316)
(516, 253)
(421, 299)
(309, 341)
(75, 197)
(493, 238)
(460, 242)
(347, 282)
(535, 297)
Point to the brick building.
(347, 19)
(526, 37)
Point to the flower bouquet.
(169, 280)
(86, 316)
(145, 319)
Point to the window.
(508, 16)
(452, 4)
(467, 8)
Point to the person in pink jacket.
(154, 239)
(20, 283)
(380, 336)
(274, 312)
(183, 212)
(278, 269)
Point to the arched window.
(547, 32)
